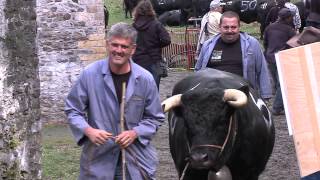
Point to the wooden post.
(123, 155)
(299, 76)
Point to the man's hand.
(97, 136)
(126, 138)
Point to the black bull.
(209, 129)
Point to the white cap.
(214, 4)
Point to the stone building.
(44, 44)
(70, 35)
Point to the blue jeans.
(277, 103)
(314, 176)
(153, 69)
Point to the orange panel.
(299, 75)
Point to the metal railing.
(181, 52)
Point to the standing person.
(209, 24)
(296, 18)
(272, 15)
(93, 110)
(152, 37)
(236, 52)
(275, 37)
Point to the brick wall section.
(70, 36)
(19, 92)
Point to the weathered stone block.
(99, 36)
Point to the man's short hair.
(230, 14)
(122, 30)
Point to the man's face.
(120, 50)
(230, 30)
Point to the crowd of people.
(93, 106)
(239, 53)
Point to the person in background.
(272, 15)
(296, 18)
(209, 24)
(236, 52)
(93, 111)
(275, 37)
(152, 37)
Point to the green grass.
(252, 29)
(116, 12)
(60, 154)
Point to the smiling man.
(236, 52)
(93, 110)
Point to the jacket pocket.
(135, 110)
(250, 61)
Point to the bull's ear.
(245, 89)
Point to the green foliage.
(13, 143)
(60, 154)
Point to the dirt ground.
(282, 164)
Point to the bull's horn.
(171, 102)
(235, 97)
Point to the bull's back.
(255, 139)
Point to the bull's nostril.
(200, 157)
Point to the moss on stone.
(13, 143)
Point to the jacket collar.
(133, 79)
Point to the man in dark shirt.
(94, 113)
(236, 52)
(231, 53)
(275, 37)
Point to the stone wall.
(19, 92)
(70, 35)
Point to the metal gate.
(181, 52)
